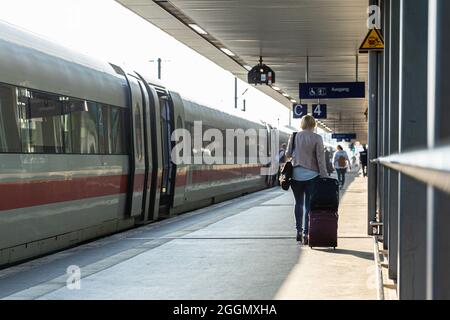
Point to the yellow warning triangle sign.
(373, 42)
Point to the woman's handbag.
(286, 176)
(288, 170)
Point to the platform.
(241, 249)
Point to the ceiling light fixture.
(293, 101)
(228, 52)
(248, 67)
(276, 88)
(197, 28)
(286, 95)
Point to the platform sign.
(332, 90)
(372, 42)
(344, 136)
(300, 110)
(319, 111)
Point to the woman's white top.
(303, 174)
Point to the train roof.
(28, 60)
(216, 118)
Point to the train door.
(137, 157)
(168, 168)
(146, 105)
(270, 152)
(154, 149)
(181, 170)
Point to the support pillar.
(438, 217)
(394, 42)
(413, 134)
(372, 134)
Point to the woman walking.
(308, 160)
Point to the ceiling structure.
(284, 33)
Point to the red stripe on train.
(23, 194)
(16, 195)
(201, 176)
(217, 174)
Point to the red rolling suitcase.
(323, 228)
(323, 215)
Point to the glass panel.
(106, 119)
(118, 145)
(36, 122)
(102, 149)
(164, 129)
(83, 124)
(138, 128)
(42, 116)
(9, 122)
(68, 105)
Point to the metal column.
(159, 68)
(372, 137)
(380, 125)
(394, 27)
(385, 148)
(413, 134)
(235, 93)
(438, 217)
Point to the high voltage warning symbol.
(373, 42)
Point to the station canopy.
(284, 33)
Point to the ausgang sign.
(343, 136)
(332, 90)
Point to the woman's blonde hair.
(308, 123)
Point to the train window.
(190, 128)
(9, 121)
(138, 127)
(106, 124)
(83, 126)
(41, 114)
(92, 128)
(37, 122)
(71, 106)
(102, 122)
(117, 137)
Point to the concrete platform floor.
(241, 249)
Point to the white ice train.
(85, 149)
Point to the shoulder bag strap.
(294, 135)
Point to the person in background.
(363, 160)
(328, 163)
(341, 163)
(308, 160)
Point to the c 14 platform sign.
(332, 90)
(319, 111)
(300, 110)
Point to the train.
(85, 149)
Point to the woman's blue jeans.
(301, 190)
